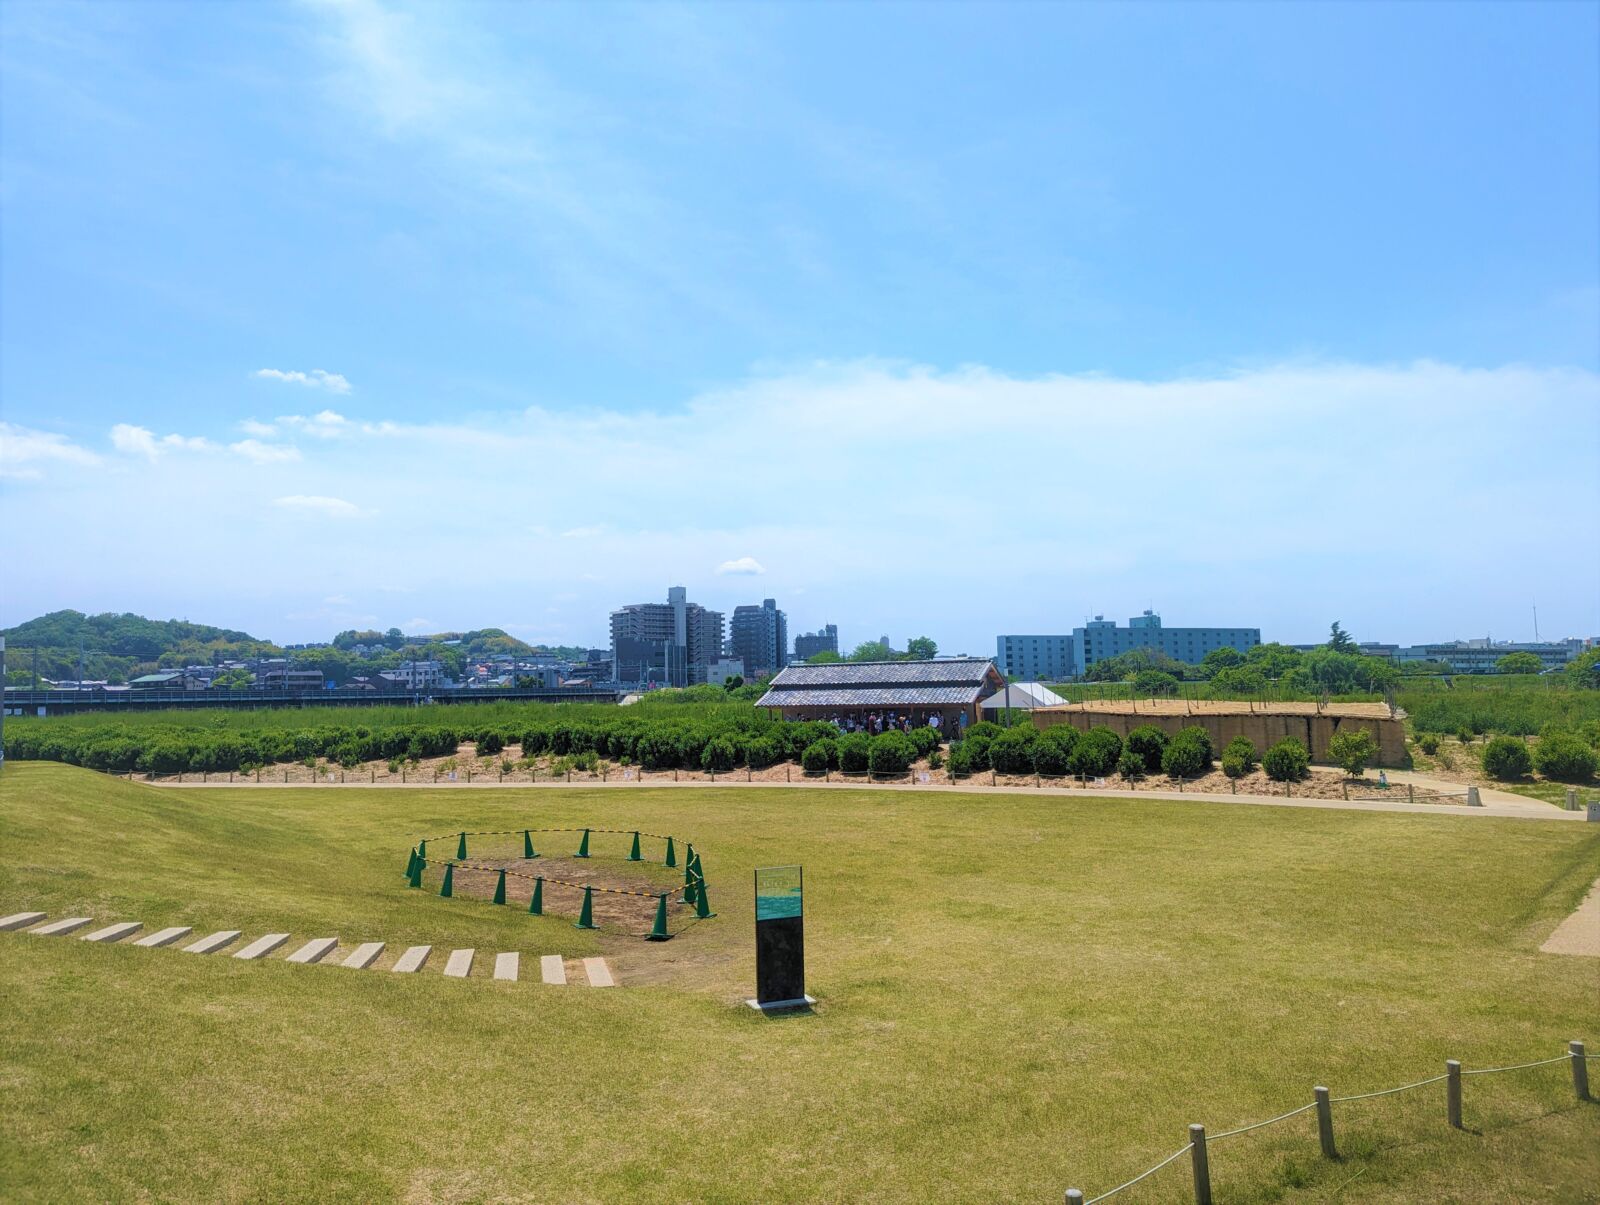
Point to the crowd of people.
(875, 722)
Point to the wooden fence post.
(1452, 1091)
(1411, 792)
(1325, 1122)
(1202, 1165)
(1580, 1070)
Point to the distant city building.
(1101, 638)
(723, 668)
(292, 679)
(759, 637)
(1479, 656)
(824, 640)
(1035, 658)
(416, 675)
(667, 644)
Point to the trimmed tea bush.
(1507, 759)
(1186, 757)
(1148, 742)
(1565, 758)
(1287, 761)
(1097, 752)
(891, 753)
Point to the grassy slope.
(1018, 994)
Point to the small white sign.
(452, 775)
(627, 774)
(923, 776)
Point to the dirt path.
(1502, 804)
(1580, 932)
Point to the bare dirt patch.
(632, 914)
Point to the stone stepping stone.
(209, 945)
(165, 937)
(460, 964)
(114, 932)
(364, 955)
(20, 920)
(599, 973)
(412, 960)
(552, 969)
(314, 950)
(507, 966)
(262, 946)
(57, 928)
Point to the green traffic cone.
(418, 865)
(527, 845)
(634, 856)
(688, 865)
(659, 932)
(422, 849)
(500, 889)
(689, 890)
(586, 915)
(536, 904)
(461, 850)
(702, 908)
(447, 888)
(672, 855)
(583, 846)
(411, 862)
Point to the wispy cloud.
(325, 424)
(316, 504)
(25, 451)
(745, 566)
(264, 453)
(333, 382)
(258, 430)
(141, 441)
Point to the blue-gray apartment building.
(1057, 658)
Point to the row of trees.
(918, 648)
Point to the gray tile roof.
(886, 673)
(868, 696)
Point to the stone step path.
(114, 932)
(412, 960)
(57, 928)
(364, 955)
(262, 946)
(165, 937)
(507, 965)
(210, 945)
(315, 950)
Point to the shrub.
(1130, 764)
(1052, 752)
(1149, 743)
(925, 740)
(760, 752)
(815, 758)
(1287, 761)
(718, 755)
(1565, 758)
(1199, 736)
(1428, 742)
(979, 737)
(1097, 752)
(891, 753)
(1507, 758)
(961, 760)
(1464, 735)
(1352, 749)
(1186, 757)
(854, 752)
(1012, 750)
(1148, 683)
(935, 759)
(1242, 748)
(490, 742)
(1235, 764)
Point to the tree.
(1243, 680)
(1226, 657)
(1353, 749)
(921, 648)
(1584, 670)
(873, 650)
(733, 683)
(1519, 663)
(826, 657)
(1287, 761)
(1339, 640)
(1148, 683)
(1507, 758)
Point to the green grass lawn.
(1018, 994)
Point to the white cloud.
(325, 424)
(316, 504)
(583, 533)
(141, 441)
(333, 382)
(259, 430)
(24, 450)
(262, 453)
(741, 566)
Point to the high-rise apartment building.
(1101, 638)
(669, 643)
(824, 640)
(1035, 658)
(759, 637)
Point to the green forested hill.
(114, 646)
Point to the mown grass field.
(1018, 994)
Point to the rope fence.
(1322, 1102)
(694, 880)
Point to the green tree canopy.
(1519, 663)
(921, 648)
(1339, 640)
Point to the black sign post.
(780, 940)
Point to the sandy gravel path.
(1580, 932)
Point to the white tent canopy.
(1022, 696)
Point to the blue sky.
(948, 319)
